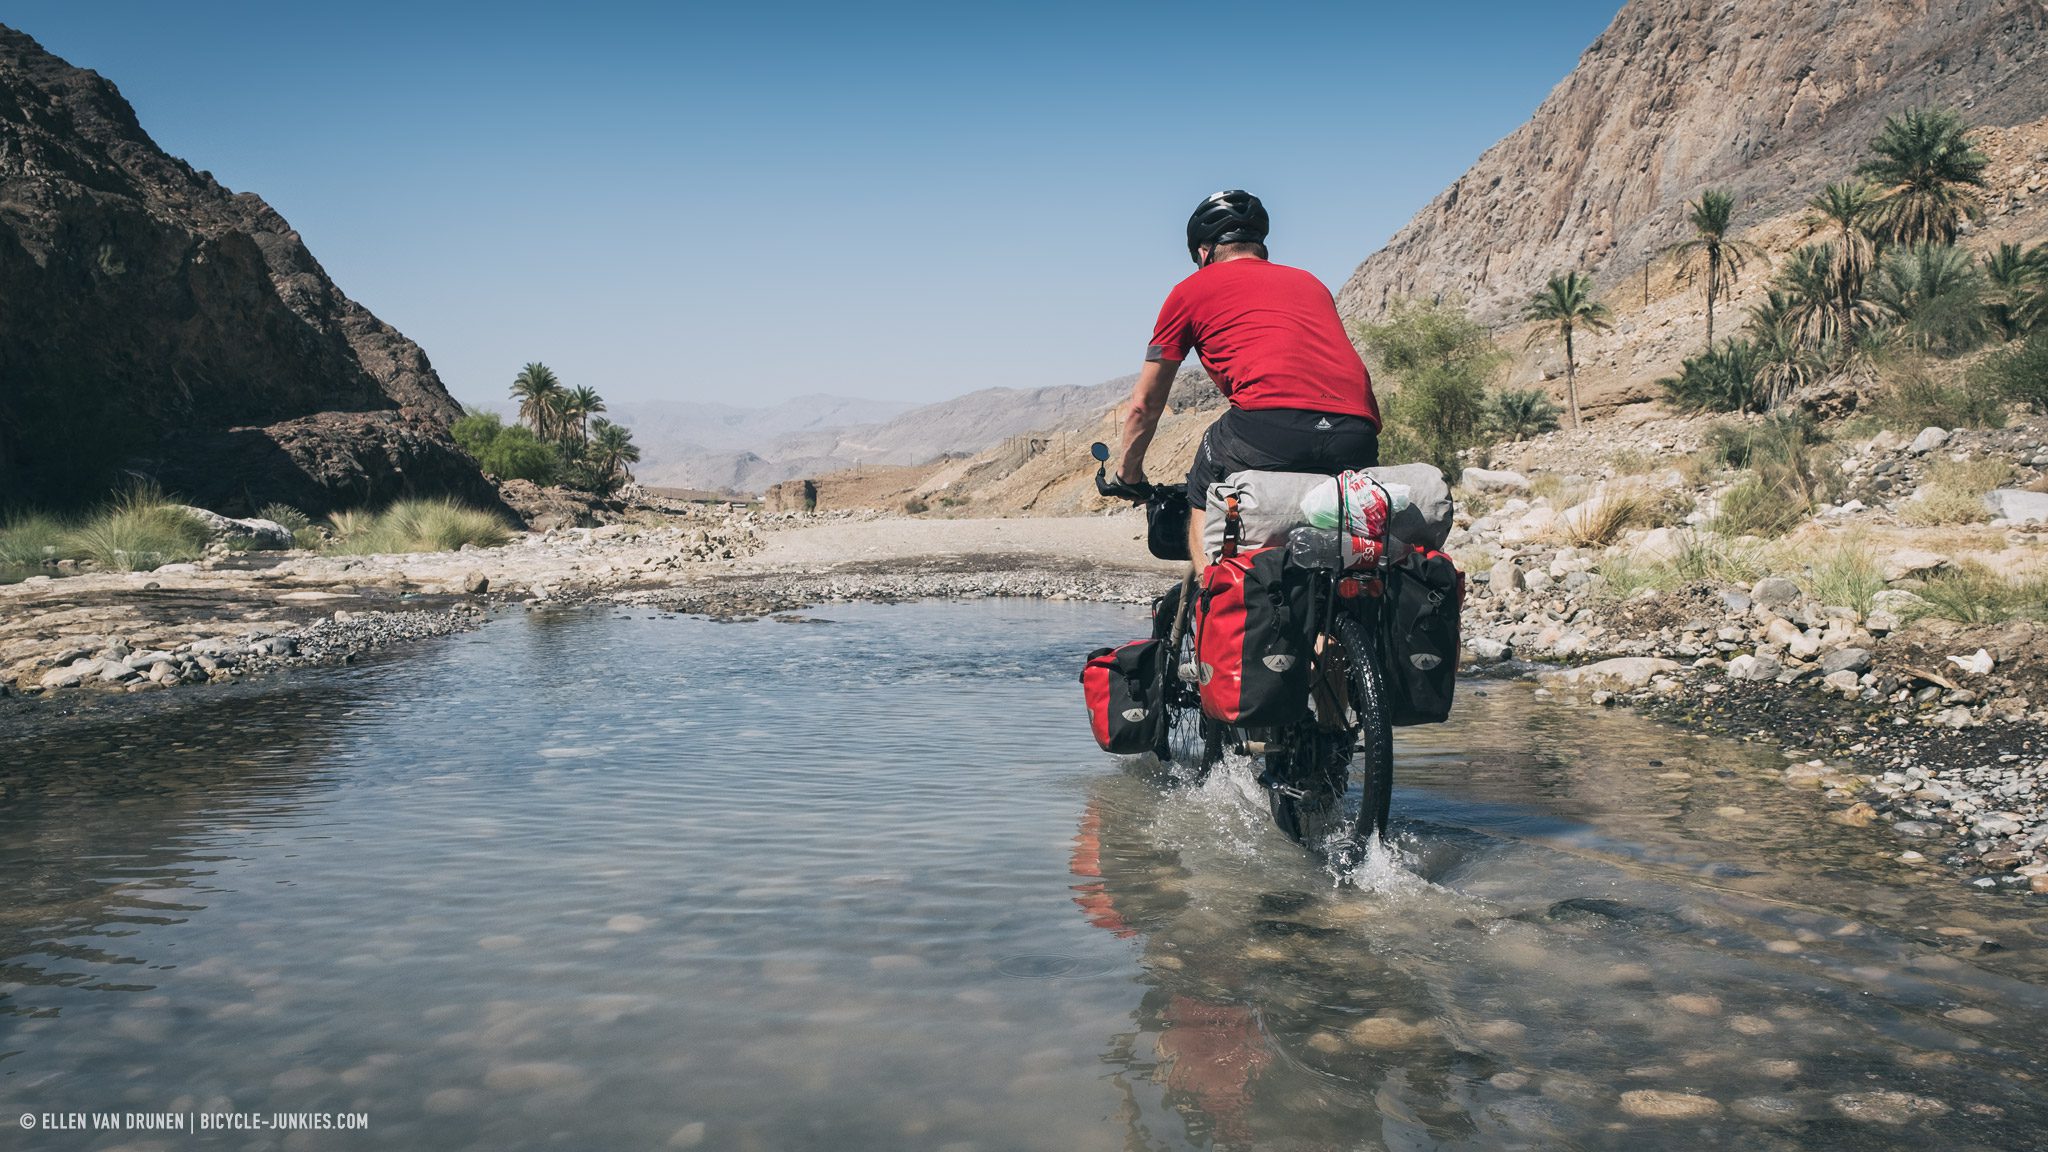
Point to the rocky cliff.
(153, 322)
(1772, 98)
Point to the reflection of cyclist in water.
(1212, 1051)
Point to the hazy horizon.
(899, 202)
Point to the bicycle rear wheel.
(1191, 740)
(1332, 785)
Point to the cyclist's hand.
(1133, 480)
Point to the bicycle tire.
(1331, 785)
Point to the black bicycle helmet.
(1232, 217)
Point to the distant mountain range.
(686, 444)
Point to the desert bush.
(1969, 592)
(138, 531)
(1953, 492)
(2019, 372)
(1622, 577)
(1609, 516)
(285, 516)
(1721, 379)
(1705, 557)
(29, 538)
(1519, 413)
(1438, 362)
(916, 506)
(1913, 393)
(1845, 573)
(437, 525)
(1756, 507)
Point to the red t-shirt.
(1269, 336)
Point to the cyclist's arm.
(1141, 418)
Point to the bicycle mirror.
(1100, 451)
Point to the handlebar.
(1117, 489)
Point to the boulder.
(2017, 505)
(1489, 480)
(1655, 546)
(1775, 593)
(1623, 672)
(1844, 681)
(1927, 441)
(1852, 660)
(265, 534)
(1505, 577)
(1912, 564)
(1487, 650)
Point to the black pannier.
(1425, 595)
(1166, 524)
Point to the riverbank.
(1951, 754)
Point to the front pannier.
(1425, 596)
(1124, 687)
(1256, 623)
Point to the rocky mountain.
(1770, 98)
(153, 322)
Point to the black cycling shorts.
(1280, 440)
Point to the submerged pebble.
(1656, 1104)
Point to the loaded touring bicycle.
(1327, 616)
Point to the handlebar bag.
(1124, 687)
(1252, 642)
(1166, 524)
(1425, 597)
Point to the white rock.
(1490, 480)
(1927, 441)
(1504, 578)
(1623, 671)
(2017, 505)
(1912, 563)
(1976, 664)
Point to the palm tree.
(1567, 304)
(611, 450)
(1807, 298)
(1929, 170)
(579, 404)
(540, 394)
(2016, 283)
(1785, 362)
(1709, 216)
(1845, 209)
(1936, 295)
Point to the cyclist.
(1269, 336)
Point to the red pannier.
(1253, 640)
(1124, 687)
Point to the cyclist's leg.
(1212, 464)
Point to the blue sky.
(749, 203)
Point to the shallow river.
(599, 880)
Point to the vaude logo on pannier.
(1425, 660)
(1207, 672)
(1134, 714)
(1278, 663)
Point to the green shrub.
(1704, 557)
(1845, 574)
(285, 516)
(1721, 379)
(1756, 507)
(509, 453)
(1913, 394)
(2019, 372)
(1953, 492)
(1519, 413)
(1438, 362)
(30, 538)
(438, 525)
(138, 531)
